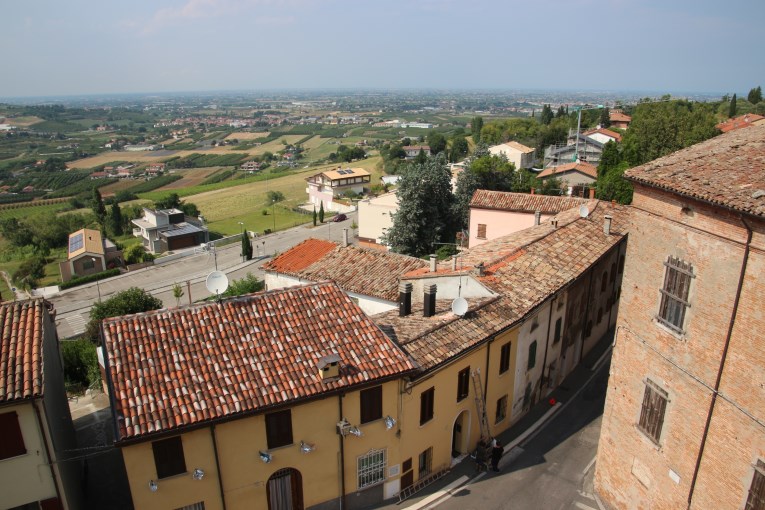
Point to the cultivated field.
(23, 121)
(242, 136)
(191, 177)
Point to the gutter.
(47, 451)
(217, 466)
(340, 397)
(728, 336)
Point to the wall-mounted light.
(343, 427)
(198, 474)
(355, 431)
(153, 486)
(265, 457)
(307, 447)
(390, 422)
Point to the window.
(652, 413)
(426, 462)
(756, 499)
(604, 281)
(613, 272)
(12, 444)
(279, 428)
(532, 355)
(674, 293)
(501, 409)
(371, 468)
(600, 315)
(481, 231)
(504, 358)
(463, 384)
(168, 457)
(195, 506)
(426, 405)
(371, 404)
(558, 327)
(621, 264)
(88, 263)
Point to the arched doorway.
(460, 434)
(285, 490)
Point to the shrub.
(74, 282)
(80, 364)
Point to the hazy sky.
(53, 47)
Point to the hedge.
(74, 282)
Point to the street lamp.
(242, 224)
(98, 287)
(273, 212)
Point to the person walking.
(496, 454)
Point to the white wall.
(375, 216)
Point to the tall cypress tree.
(732, 109)
(99, 209)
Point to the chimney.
(429, 306)
(554, 223)
(607, 225)
(454, 262)
(345, 237)
(329, 367)
(432, 263)
(480, 268)
(532, 191)
(404, 299)
(537, 217)
(592, 193)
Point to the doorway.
(285, 490)
(460, 434)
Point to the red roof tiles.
(604, 131)
(578, 166)
(21, 344)
(176, 368)
(364, 271)
(506, 201)
(728, 170)
(740, 122)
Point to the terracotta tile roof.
(300, 256)
(740, 122)
(177, 368)
(728, 170)
(604, 131)
(524, 269)
(416, 147)
(578, 166)
(506, 201)
(619, 117)
(364, 271)
(21, 346)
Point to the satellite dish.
(459, 306)
(217, 282)
(583, 211)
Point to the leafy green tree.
(171, 201)
(115, 220)
(560, 113)
(732, 109)
(132, 300)
(246, 285)
(246, 246)
(459, 148)
(16, 232)
(97, 204)
(613, 186)
(80, 364)
(275, 196)
(425, 213)
(476, 125)
(29, 272)
(547, 115)
(609, 159)
(605, 117)
(494, 173)
(755, 95)
(421, 157)
(134, 254)
(436, 142)
(321, 212)
(54, 165)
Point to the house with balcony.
(89, 253)
(326, 187)
(164, 230)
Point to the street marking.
(587, 469)
(583, 506)
(436, 495)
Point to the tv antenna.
(217, 283)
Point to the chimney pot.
(454, 262)
(607, 225)
(480, 268)
(429, 306)
(592, 193)
(345, 237)
(404, 299)
(537, 217)
(532, 191)
(432, 263)
(554, 223)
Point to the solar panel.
(75, 242)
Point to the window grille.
(674, 293)
(652, 412)
(756, 499)
(371, 468)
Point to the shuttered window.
(756, 499)
(371, 404)
(504, 358)
(532, 355)
(463, 384)
(652, 412)
(12, 442)
(674, 293)
(168, 457)
(481, 234)
(426, 405)
(279, 429)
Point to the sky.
(81, 47)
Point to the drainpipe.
(217, 465)
(731, 323)
(342, 453)
(547, 340)
(47, 451)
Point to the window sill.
(651, 441)
(680, 335)
(14, 457)
(270, 449)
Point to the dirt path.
(20, 293)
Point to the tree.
(30, 272)
(459, 148)
(246, 246)
(609, 158)
(605, 117)
(547, 115)
(132, 300)
(560, 113)
(467, 183)
(115, 220)
(436, 142)
(177, 294)
(421, 157)
(246, 285)
(275, 196)
(314, 216)
(97, 204)
(476, 125)
(425, 213)
(732, 109)
(134, 254)
(755, 95)
(321, 212)
(613, 186)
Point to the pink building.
(495, 214)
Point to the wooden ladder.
(422, 483)
(480, 403)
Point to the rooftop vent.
(329, 367)
(607, 225)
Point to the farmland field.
(241, 136)
(23, 121)
(191, 177)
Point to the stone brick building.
(684, 421)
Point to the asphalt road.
(73, 305)
(553, 470)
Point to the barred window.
(425, 464)
(756, 499)
(195, 506)
(674, 293)
(371, 468)
(652, 413)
